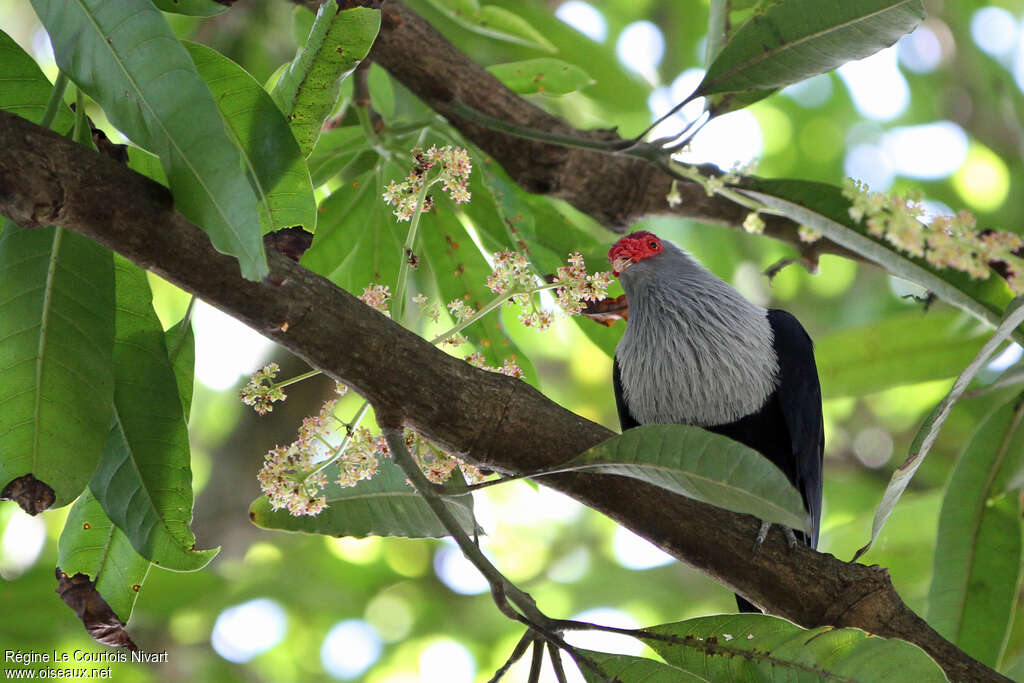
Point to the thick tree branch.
(495, 420)
(615, 189)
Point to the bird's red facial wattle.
(631, 249)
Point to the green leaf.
(754, 647)
(56, 336)
(269, 149)
(194, 8)
(822, 207)
(144, 480)
(630, 669)
(382, 506)
(978, 556)
(929, 431)
(796, 39)
(544, 74)
(494, 22)
(358, 242)
(181, 351)
(92, 545)
(24, 89)
(141, 161)
(698, 464)
(126, 57)
(308, 90)
(907, 348)
(335, 152)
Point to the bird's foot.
(762, 533)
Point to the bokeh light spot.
(350, 648)
(585, 18)
(984, 180)
(244, 631)
(446, 661)
(878, 89)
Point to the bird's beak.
(620, 264)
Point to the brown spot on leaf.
(80, 594)
(86, 526)
(32, 495)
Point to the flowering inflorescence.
(377, 298)
(437, 463)
(260, 391)
(452, 167)
(947, 242)
(575, 287)
(512, 276)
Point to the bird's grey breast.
(699, 358)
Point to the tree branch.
(496, 421)
(613, 188)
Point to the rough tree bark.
(494, 420)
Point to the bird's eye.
(654, 245)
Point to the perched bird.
(696, 352)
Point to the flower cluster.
(436, 463)
(294, 476)
(260, 391)
(453, 168)
(753, 223)
(948, 242)
(509, 368)
(808, 235)
(576, 287)
(359, 459)
(511, 272)
(376, 297)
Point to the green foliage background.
(881, 374)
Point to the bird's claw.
(762, 533)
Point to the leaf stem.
(494, 303)
(502, 590)
(398, 299)
(295, 380)
(340, 450)
(56, 97)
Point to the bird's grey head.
(695, 351)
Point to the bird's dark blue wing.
(799, 398)
(626, 419)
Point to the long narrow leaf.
(822, 207)
(144, 480)
(126, 57)
(92, 545)
(755, 647)
(796, 39)
(269, 149)
(24, 89)
(56, 336)
(929, 431)
(978, 555)
(696, 463)
(306, 93)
